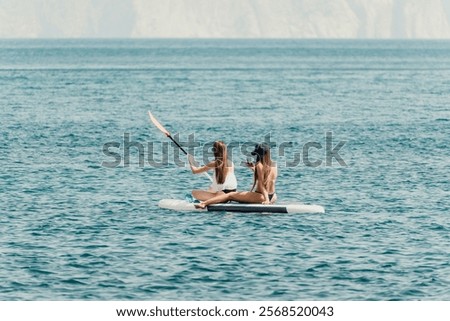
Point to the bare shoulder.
(259, 166)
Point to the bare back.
(271, 178)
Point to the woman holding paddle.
(265, 175)
(223, 181)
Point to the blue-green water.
(73, 229)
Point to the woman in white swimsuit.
(224, 180)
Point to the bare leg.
(220, 198)
(241, 197)
(247, 197)
(204, 195)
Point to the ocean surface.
(79, 222)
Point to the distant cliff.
(225, 18)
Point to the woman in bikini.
(265, 175)
(224, 180)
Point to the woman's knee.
(232, 196)
(197, 193)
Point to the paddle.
(166, 132)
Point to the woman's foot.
(201, 206)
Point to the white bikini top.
(229, 183)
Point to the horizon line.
(220, 38)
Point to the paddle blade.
(158, 125)
(192, 160)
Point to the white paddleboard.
(182, 205)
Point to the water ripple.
(71, 229)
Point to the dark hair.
(262, 153)
(220, 155)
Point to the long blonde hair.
(220, 155)
(262, 152)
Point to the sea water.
(80, 222)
